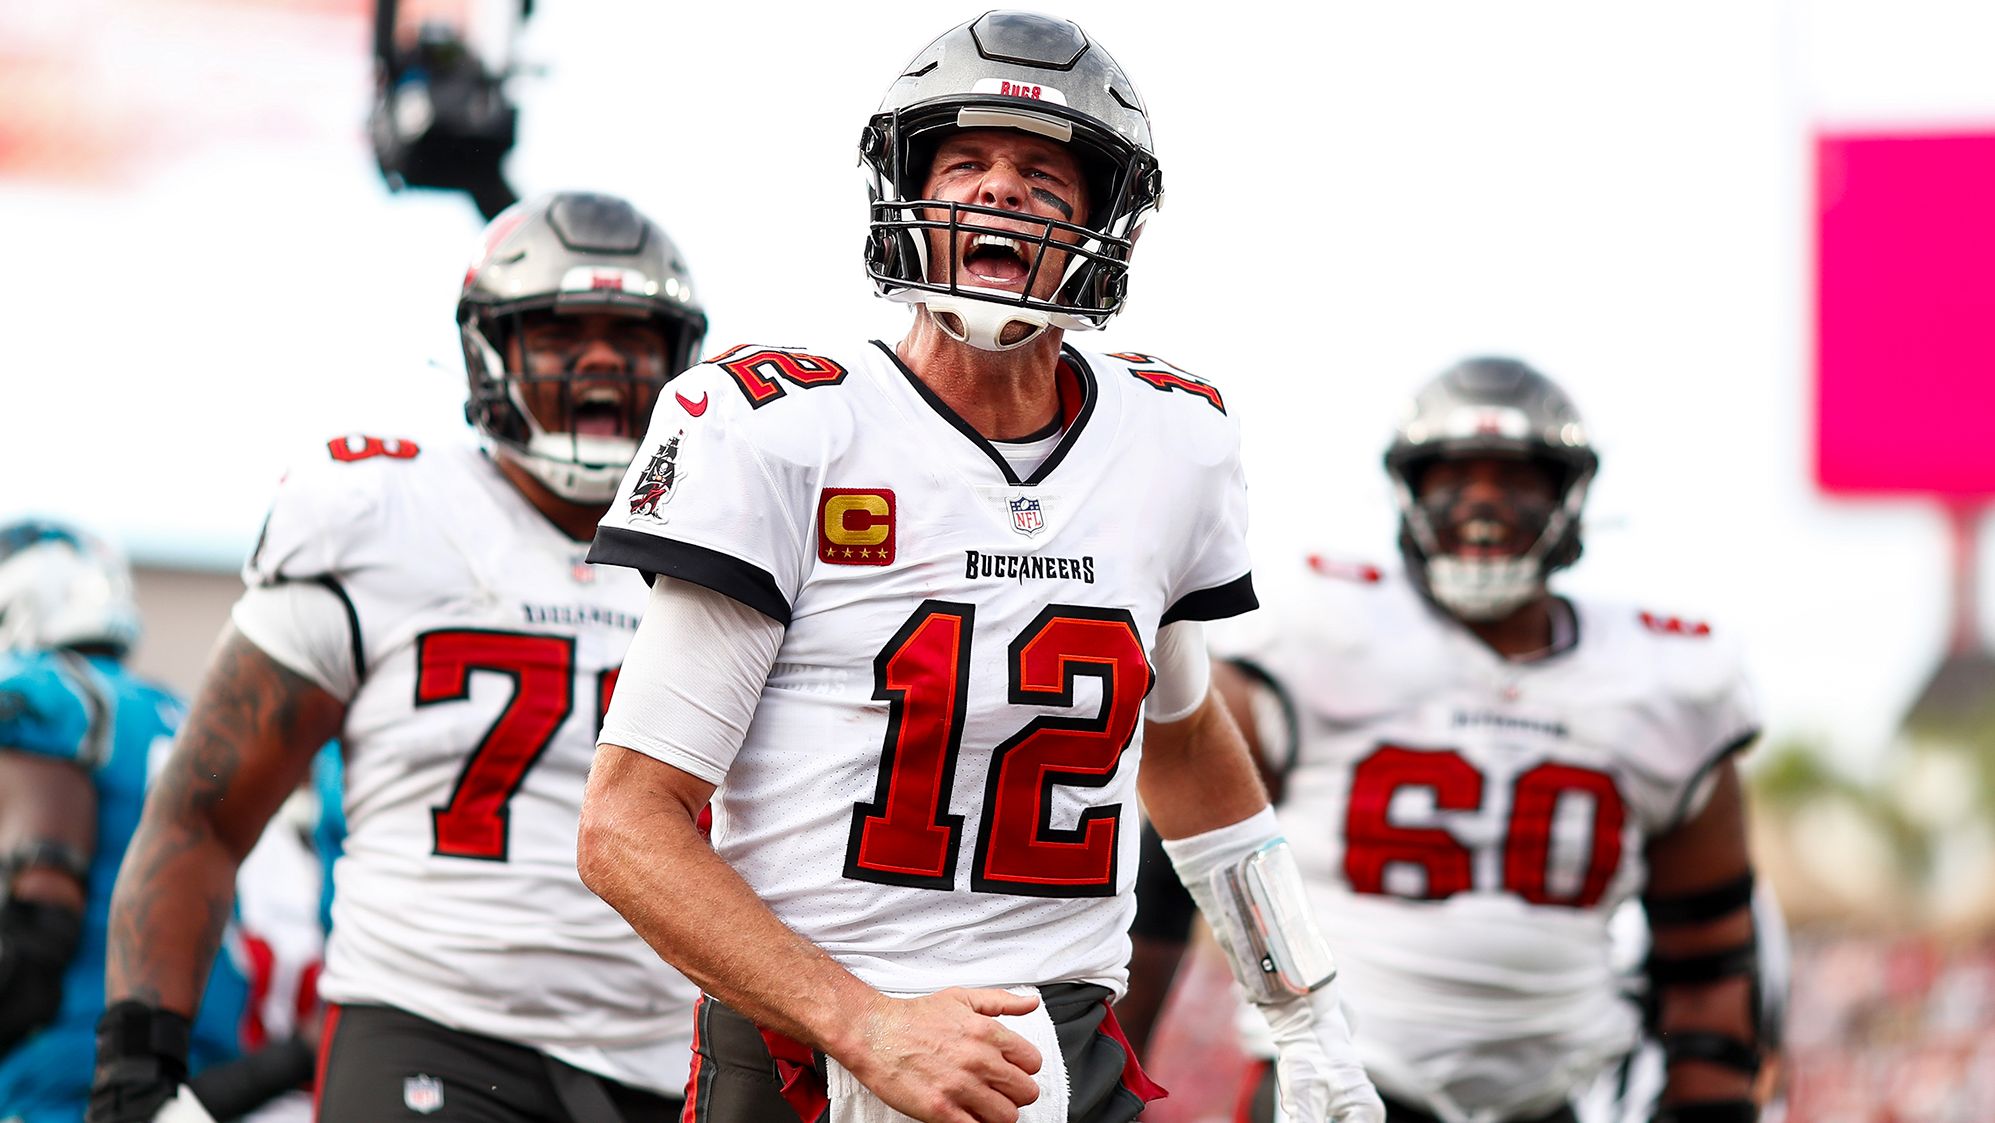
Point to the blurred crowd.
(1891, 1030)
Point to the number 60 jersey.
(475, 652)
(939, 783)
(1467, 823)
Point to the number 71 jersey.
(476, 656)
(1467, 823)
(938, 786)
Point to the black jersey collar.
(1075, 413)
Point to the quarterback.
(1482, 770)
(948, 594)
(430, 608)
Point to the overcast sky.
(1358, 194)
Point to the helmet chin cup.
(983, 323)
(1484, 588)
(584, 470)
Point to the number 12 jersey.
(938, 785)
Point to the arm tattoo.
(247, 741)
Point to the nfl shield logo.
(1026, 517)
(422, 1094)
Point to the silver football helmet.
(61, 587)
(1024, 71)
(570, 252)
(1490, 407)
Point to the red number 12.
(906, 836)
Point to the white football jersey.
(487, 652)
(1467, 824)
(939, 783)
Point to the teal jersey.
(113, 725)
(329, 834)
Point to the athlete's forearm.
(1703, 960)
(167, 914)
(641, 851)
(1197, 774)
(247, 743)
(1723, 1007)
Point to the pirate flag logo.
(655, 483)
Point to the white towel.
(853, 1102)
(183, 1108)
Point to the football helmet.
(570, 252)
(1490, 407)
(61, 587)
(1022, 71)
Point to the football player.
(948, 595)
(1484, 769)
(431, 608)
(77, 733)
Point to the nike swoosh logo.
(694, 408)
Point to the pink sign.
(1905, 314)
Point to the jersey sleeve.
(50, 708)
(322, 503)
(306, 627)
(1216, 583)
(1706, 714)
(329, 501)
(719, 494)
(1718, 727)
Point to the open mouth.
(1483, 538)
(600, 413)
(996, 259)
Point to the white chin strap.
(982, 323)
(1484, 588)
(579, 469)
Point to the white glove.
(1317, 1072)
(183, 1108)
